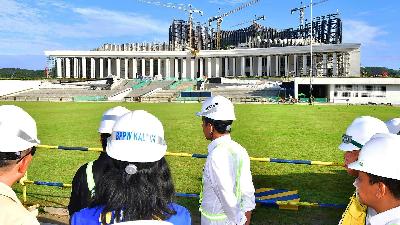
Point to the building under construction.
(196, 51)
(325, 30)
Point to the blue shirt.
(91, 216)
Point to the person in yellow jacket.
(227, 195)
(357, 134)
(18, 141)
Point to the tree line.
(17, 73)
(379, 71)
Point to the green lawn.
(280, 131)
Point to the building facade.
(329, 60)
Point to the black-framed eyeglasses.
(347, 139)
(31, 152)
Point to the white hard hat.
(137, 136)
(18, 130)
(145, 222)
(217, 108)
(109, 118)
(380, 156)
(360, 131)
(393, 125)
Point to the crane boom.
(219, 19)
(187, 8)
(301, 9)
(249, 21)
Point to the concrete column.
(201, 62)
(335, 65)
(167, 68)
(226, 66)
(217, 67)
(243, 66)
(176, 69)
(259, 67)
(286, 66)
(184, 68)
(277, 66)
(83, 67)
(159, 67)
(233, 66)
(296, 89)
(134, 68)
(59, 67)
(192, 69)
(325, 64)
(295, 65)
(108, 66)
(126, 68)
(171, 68)
(92, 68)
(268, 66)
(101, 68)
(75, 66)
(151, 67)
(67, 68)
(305, 65)
(143, 67)
(209, 67)
(118, 67)
(251, 67)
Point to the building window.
(337, 86)
(383, 88)
(349, 87)
(365, 95)
(356, 94)
(346, 94)
(368, 88)
(335, 93)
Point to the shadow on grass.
(45, 199)
(334, 187)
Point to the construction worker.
(227, 195)
(18, 141)
(378, 181)
(138, 185)
(357, 134)
(89, 174)
(394, 125)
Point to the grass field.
(280, 131)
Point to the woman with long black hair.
(138, 184)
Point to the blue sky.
(28, 28)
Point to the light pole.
(311, 53)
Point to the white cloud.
(32, 28)
(355, 31)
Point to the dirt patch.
(53, 219)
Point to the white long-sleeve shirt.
(219, 182)
(389, 217)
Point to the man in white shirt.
(357, 134)
(228, 193)
(18, 138)
(378, 182)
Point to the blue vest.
(91, 216)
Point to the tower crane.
(187, 8)
(249, 21)
(220, 17)
(301, 9)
